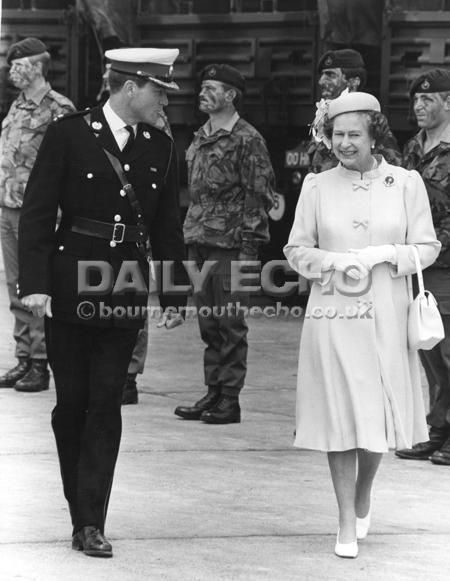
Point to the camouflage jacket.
(22, 132)
(231, 182)
(434, 167)
(321, 158)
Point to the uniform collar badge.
(388, 181)
(425, 85)
(96, 126)
(146, 134)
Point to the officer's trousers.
(89, 366)
(221, 319)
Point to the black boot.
(130, 392)
(10, 378)
(37, 378)
(442, 456)
(194, 412)
(424, 450)
(226, 411)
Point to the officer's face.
(430, 110)
(147, 102)
(213, 97)
(23, 72)
(332, 82)
(352, 142)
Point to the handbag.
(425, 327)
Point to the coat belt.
(117, 232)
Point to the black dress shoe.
(194, 412)
(10, 378)
(130, 392)
(423, 450)
(442, 456)
(37, 378)
(91, 541)
(226, 411)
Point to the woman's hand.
(348, 263)
(372, 255)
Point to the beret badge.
(212, 72)
(328, 62)
(425, 85)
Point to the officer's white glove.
(38, 304)
(345, 262)
(372, 255)
(170, 320)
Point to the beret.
(224, 74)
(27, 47)
(345, 58)
(152, 64)
(432, 81)
(350, 102)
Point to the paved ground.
(193, 502)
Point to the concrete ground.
(193, 502)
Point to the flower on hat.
(319, 121)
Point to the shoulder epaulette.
(62, 116)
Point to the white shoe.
(362, 526)
(346, 550)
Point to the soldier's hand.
(170, 320)
(38, 304)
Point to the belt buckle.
(118, 233)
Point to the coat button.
(113, 244)
(154, 186)
(126, 167)
(122, 193)
(117, 218)
(90, 176)
(60, 247)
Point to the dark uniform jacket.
(72, 172)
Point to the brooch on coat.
(388, 181)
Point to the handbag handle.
(418, 270)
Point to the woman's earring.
(372, 147)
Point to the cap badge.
(389, 181)
(212, 72)
(96, 126)
(146, 134)
(425, 85)
(328, 61)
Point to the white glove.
(346, 262)
(38, 304)
(372, 255)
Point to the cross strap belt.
(115, 233)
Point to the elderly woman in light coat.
(359, 391)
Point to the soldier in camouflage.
(22, 132)
(428, 152)
(341, 70)
(231, 189)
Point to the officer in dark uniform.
(91, 331)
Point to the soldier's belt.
(115, 233)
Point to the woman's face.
(351, 141)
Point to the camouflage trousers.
(221, 320)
